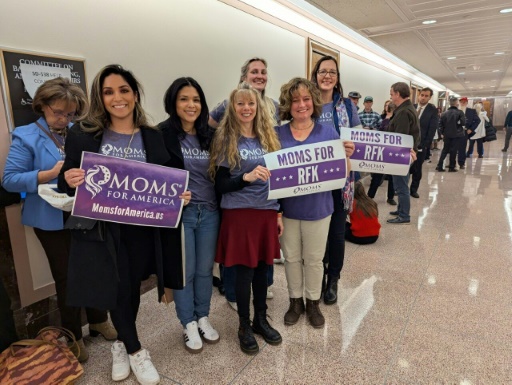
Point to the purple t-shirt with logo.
(123, 146)
(311, 207)
(196, 163)
(253, 196)
(326, 118)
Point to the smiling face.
(257, 75)
(327, 75)
(188, 105)
(245, 108)
(118, 98)
(302, 107)
(59, 113)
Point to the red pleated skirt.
(248, 236)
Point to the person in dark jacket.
(404, 121)
(124, 255)
(429, 122)
(451, 127)
(472, 122)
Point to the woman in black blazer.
(109, 260)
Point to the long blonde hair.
(225, 142)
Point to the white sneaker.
(233, 305)
(143, 368)
(270, 295)
(281, 259)
(120, 362)
(193, 342)
(207, 331)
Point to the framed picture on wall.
(23, 72)
(316, 51)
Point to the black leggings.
(245, 277)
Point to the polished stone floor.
(429, 303)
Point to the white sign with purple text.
(379, 152)
(306, 169)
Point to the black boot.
(217, 282)
(331, 291)
(248, 343)
(324, 282)
(261, 326)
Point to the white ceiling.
(472, 31)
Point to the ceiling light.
(499, 53)
(453, 57)
(496, 71)
(466, 82)
(461, 73)
(493, 86)
(426, 22)
(506, 10)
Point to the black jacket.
(92, 274)
(429, 123)
(452, 123)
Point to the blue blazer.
(32, 151)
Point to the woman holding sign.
(250, 227)
(338, 112)
(109, 260)
(36, 157)
(188, 136)
(305, 217)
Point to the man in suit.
(429, 122)
(472, 122)
(451, 127)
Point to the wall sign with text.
(24, 72)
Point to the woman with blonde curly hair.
(248, 237)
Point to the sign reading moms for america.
(129, 191)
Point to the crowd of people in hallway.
(227, 217)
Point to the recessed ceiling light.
(461, 73)
(466, 82)
(454, 57)
(506, 10)
(426, 22)
(499, 53)
(496, 71)
(493, 86)
(493, 80)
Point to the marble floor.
(429, 303)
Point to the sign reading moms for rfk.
(306, 169)
(128, 191)
(379, 151)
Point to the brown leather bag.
(47, 360)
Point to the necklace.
(129, 144)
(303, 129)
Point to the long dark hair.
(98, 118)
(364, 203)
(337, 88)
(204, 132)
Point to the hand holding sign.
(259, 172)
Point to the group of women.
(101, 266)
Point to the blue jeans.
(201, 227)
(229, 279)
(401, 184)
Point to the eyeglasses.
(71, 116)
(325, 72)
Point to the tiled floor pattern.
(429, 303)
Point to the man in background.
(472, 122)
(369, 119)
(508, 130)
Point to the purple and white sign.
(379, 151)
(129, 191)
(306, 169)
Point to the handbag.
(86, 229)
(61, 201)
(8, 198)
(490, 132)
(47, 360)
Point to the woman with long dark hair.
(126, 254)
(187, 135)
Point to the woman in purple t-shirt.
(250, 227)
(305, 217)
(188, 125)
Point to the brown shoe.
(295, 310)
(316, 319)
(79, 350)
(106, 329)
